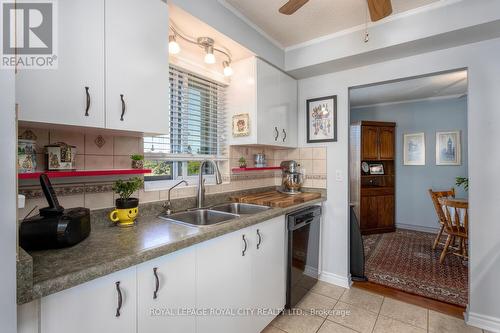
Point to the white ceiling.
(429, 87)
(315, 19)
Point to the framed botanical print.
(414, 149)
(448, 148)
(322, 119)
(241, 125)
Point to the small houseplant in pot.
(137, 161)
(243, 162)
(127, 208)
(462, 181)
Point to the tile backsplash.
(312, 160)
(94, 150)
(97, 150)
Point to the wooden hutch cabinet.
(372, 192)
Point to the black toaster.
(54, 227)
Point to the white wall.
(8, 200)
(438, 26)
(482, 61)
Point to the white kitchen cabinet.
(27, 317)
(137, 74)
(93, 306)
(176, 284)
(113, 69)
(227, 279)
(245, 269)
(269, 96)
(59, 95)
(268, 269)
(224, 282)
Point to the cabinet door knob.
(284, 135)
(277, 133)
(87, 107)
(244, 249)
(260, 239)
(157, 282)
(120, 298)
(123, 107)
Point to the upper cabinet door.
(386, 140)
(288, 86)
(369, 143)
(137, 81)
(271, 113)
(72, 94)
(168, 282)
(106, 304)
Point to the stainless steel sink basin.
(200, 217)
(240, 208)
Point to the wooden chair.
(456, 226)
(435, 196)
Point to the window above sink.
(197, 125)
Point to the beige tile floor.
(332, 309)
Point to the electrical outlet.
(338, 175)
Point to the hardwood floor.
(446, 308)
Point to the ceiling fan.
(378, 8)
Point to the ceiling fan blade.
(379, 9)
(292, 6)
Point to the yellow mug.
(125, 217)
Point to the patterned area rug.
(405, 260)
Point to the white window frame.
(153, 185)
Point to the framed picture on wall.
(241, 125)
(448, 148)
(321, 119)
(414, 149)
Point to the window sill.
(162, 185)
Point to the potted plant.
(462, 181)
(137, 161)
(243, 162)
(127, 208)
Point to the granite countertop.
(109, 249)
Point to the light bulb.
(228, 71)
(209, 57)
(173, 46)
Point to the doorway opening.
(408, 170)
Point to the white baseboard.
(311, 271)
(488, 323)
(338, 280)
(414, 227)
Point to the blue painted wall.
(413, 204)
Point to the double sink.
(214, 215)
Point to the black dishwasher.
(303, 253)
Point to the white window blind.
(197, 120)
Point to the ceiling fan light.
(228, 71)
(173, 46)
(209, 56)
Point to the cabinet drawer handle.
(245, 249)
(120, 298)
(277, 133)
(87, 107)
(260, 239)
(157, 282)
(284, 135)
(123, 107)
